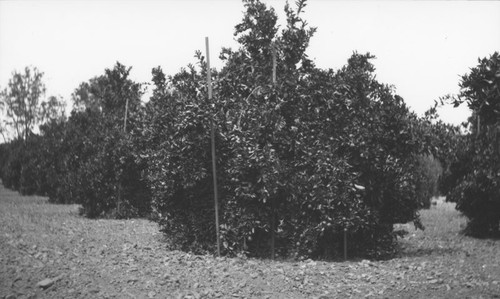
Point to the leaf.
(359, 187)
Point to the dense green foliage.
(305, 156)
(300, 160)
(88, 158)
(428, 173)
(22, 101)
(476, 172)
(103, 174)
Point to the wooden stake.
(274, 62)
(273, 206)
(125, 118)
(478, 124)
(345, 244)
(273, 229)
(214, 158)
(120, 187)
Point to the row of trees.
(22, 110)
(305, 155)
(86, 158)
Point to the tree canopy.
(476, 172)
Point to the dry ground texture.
(48, 251)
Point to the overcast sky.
(422, 47)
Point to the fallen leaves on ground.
(48, 251)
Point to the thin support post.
(345, 244)
(273, 205)
(273, 229)
(120, 187)
(273, 51)
(125, 118)
(478, 124)
(214, 158)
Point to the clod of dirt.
(46, 283)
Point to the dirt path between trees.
(48, 251)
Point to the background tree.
(109, 93)
(89, 157)
(22, 162)
(102, 173)
(3, 121)
(53, 109)
(22, 99)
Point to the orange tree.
(301, 159)
(476, 184)
(89, 158)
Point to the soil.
(49, 251)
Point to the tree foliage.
(88, 158)
(476, 187)
(102, 173)
(300, 159)
(22, 99)
(305, 156)
(22, 162)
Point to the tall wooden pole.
(274, 63)
(478, 124)
(273, 205)
(345, 244)
(214, 158)
(120, 186)
(125, 118)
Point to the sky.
(422, 47)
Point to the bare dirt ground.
(48, 251)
